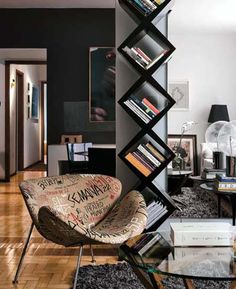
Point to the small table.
(176, 180)
(220, 194)
(187, 263)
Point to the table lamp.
(218, 113)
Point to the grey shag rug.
(199, 203)
(121, 276)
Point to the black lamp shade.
(218, 112)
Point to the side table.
(176, 180)
(231, 194)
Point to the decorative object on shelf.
(227, 144)
(179, 90)
(211, 137)
(218, 112)
(147, 155)
(102, 74)
(185, 147)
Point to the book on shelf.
(155, 211)
(159, 2)
(140, 109)
(139, 166)
(136, 56)
(145, 161)
(151, 106)
(149, 155)
(140, 6)
(155, 238)
(156, 59)
(143, 106)
(155, 152)
(136, 111)
(142, 54)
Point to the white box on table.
(202, 234)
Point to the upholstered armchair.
(74, 210)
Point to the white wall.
(2, 120)
(205, 56)
(32, 149)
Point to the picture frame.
(35, 103)
(188, 150)
(102, 74)
(179, 91)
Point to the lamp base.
(218, 160)
(230, 166)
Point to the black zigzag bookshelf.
(146, 49)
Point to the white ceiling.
(57, 3)
(23, 54)
(203, 16)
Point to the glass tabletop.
(154, 253)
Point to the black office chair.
(78, 157)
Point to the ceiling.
(23, 54)
(57, 3)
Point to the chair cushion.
(81, 198)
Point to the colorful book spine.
(138, 59)
(136, 111)
(139, 56)
(155, 152)
(149, 155)
(144, 107)
(140, 109)
(145, 161)
(142, 54)
(139, 166)
(150, 105)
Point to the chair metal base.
(15, 280)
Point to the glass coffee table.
(152, 263)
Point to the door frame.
(20, 121)
(42, 113)
(7, 108)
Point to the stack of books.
(145, 6)
(146, 158)
(142, 58)
(155, 211)
(144, 109)
(210, 174)
(223, 183)
(152, 247)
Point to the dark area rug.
(197, 203)
(121, 276)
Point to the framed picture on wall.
(179, 90)
(187, 150)
(35, 103)
(102, 74)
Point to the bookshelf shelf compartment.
(146, 102)
(146, 49)
(139, 15)
(147, 155)
(159, 205)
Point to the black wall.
(67, 34)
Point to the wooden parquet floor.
(46, 265)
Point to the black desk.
(100, 161)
